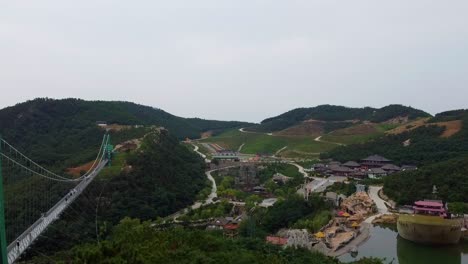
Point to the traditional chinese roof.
(391, 167)
(351, 164)
(340, 169)
(429, 203)
(377, 171)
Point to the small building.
(359, 175)
(259, 189)
(218, 223)
(319, 167)
(391, 168)
(280, 178)
(101, 123)
(375, 161)
(340, 171)
(376, 173)
(226, 155)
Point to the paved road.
(196, 149)
(381, 207)
(319, 139)
(252, 132)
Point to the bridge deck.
(24, 241)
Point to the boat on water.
(430, 223)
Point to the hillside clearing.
(451, 127)
(254, 143)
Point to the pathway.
(252, 132)
(319, 139)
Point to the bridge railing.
(17, 247)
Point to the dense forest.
(450, 177)
(159, 179)
(55, 131)
(426, 147)
(442, 161)
(332, 113)
(135, 242)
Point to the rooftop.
(391, 167)
(351, 164)
(429, 203)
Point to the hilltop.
(440, 138)
(307, 132)
(331, 117)
(52, 130)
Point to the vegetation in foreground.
(135, 242)
(162, 177)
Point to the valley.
(299, 192)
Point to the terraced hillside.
(307, 132)
(261, 143)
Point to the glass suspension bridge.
(22, 219)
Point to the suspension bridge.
(22, 219)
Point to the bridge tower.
(108, 149)
(3, 242)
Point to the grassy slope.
(263, 143)
(358, 138)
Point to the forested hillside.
(136, 242)
(54, 131)
(157, 180)
(332, 113)
(450, 177)
(426, 144)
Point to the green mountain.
(54, 131)
(449, 176)
(336, 114)
(427, 144)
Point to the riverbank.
(362, 237)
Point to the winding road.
(319, 139)
(381, 207)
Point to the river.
(385, 243)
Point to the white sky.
(237, 60)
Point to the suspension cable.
(60, 178)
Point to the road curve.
(319, 139)
(381, 207)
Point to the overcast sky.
(240, 59)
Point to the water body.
(385, 243)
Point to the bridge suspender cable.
(9, 253)
(54, 176)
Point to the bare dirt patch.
(451, 127)
(206, 134)
(115, 127)
(362, 129)
(409, 126)
(76, 171)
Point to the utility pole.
(3, 242)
